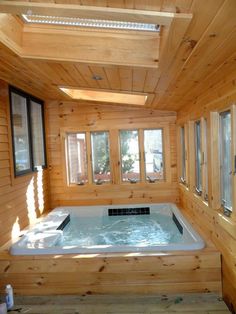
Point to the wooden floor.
(188, 304)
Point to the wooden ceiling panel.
(194, 68)
(157, 5)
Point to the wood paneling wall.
(117, 273)
(62, 116)
(22, 198)
(220, 230)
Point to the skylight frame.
(89, 23)
(105, 96)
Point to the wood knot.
(101, 268)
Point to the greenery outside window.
(130, 163)
(100, 152)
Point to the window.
(129, 148)
(204, 161)
(138, 157)
(100, 157)
(183, 155)
(198, 152)
(77, 158)
(225, 160)
(27, 132)
(153, 150)
(37, 126)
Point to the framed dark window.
(28, 137)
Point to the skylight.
(102, 96)
(71, 21)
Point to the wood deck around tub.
(116, 273)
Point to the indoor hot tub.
(116, 228)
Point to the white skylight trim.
(71, 21)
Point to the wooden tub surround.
(117, 273)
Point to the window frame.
(198, 158)
(183, 154)
(163, 154)
(69, 183)
(115, 156)
(29, 99)
(120, 156)
(91, 157)
(205, 162)
(41, 103)
(228, 210)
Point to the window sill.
(227, 223)
(184, 186)
(109, 184)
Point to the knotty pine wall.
(22, 198)
(62, 116)
(221, 231)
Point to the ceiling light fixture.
(97, 77)
(71, 21)
(105, 96)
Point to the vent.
(178, 224)
(128, 211)
(64, 223)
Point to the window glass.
(100, 157)
(77, 158)
(153, 148)
(225, 159)
(129, 148)
(205, 160)
(198, 178)
(20, 130)
(37, 134)
(183, 164)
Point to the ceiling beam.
(90, 12)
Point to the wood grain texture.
(192, 69)
(19, 197)
(113, 273)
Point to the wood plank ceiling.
(203, 61)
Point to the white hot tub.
(116, 228)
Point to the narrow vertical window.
(205, 160)
(129, 150)
(153, 149)
(77, 158)
(183, 155)
(37, 126)
(100, 157)
(21, 134)
(225, 160)
(198, 172)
